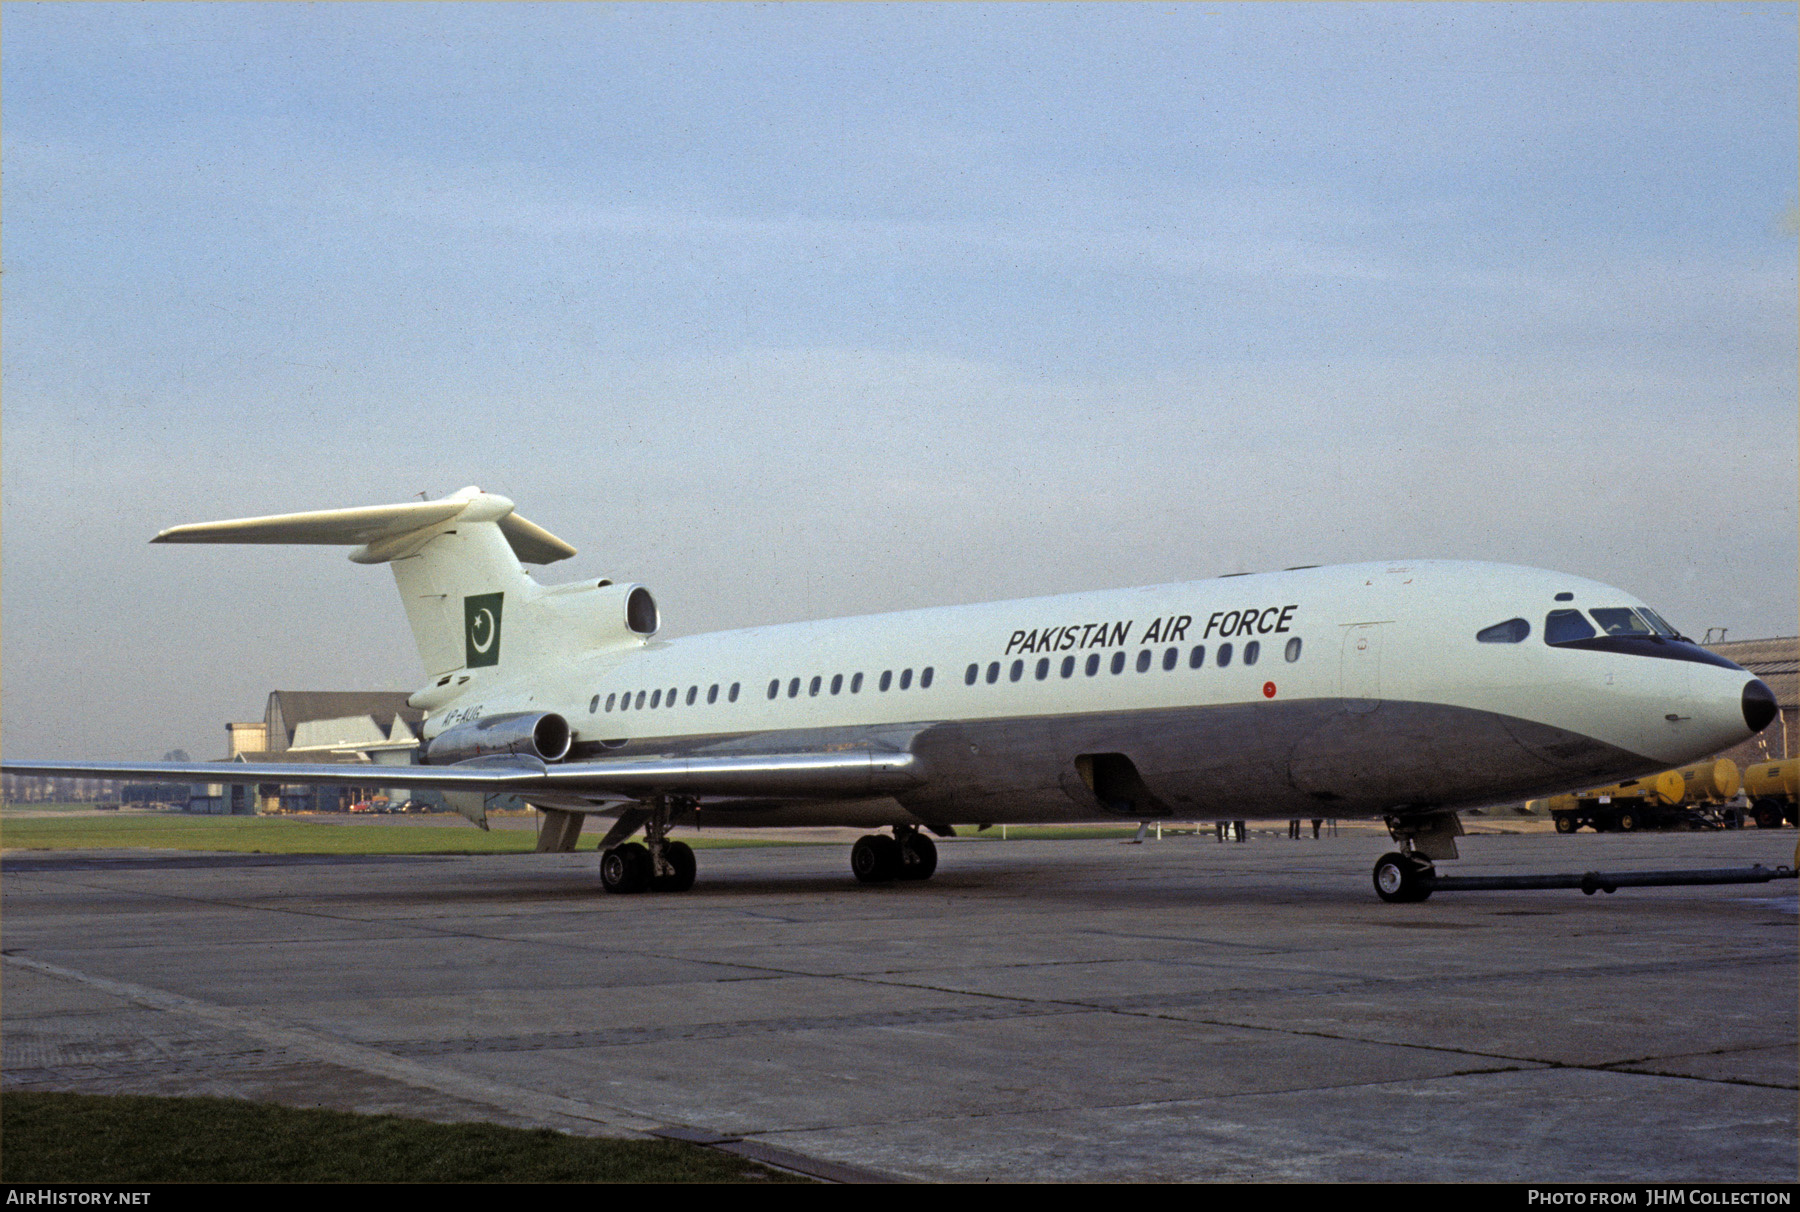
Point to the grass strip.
(1055, 833)
(276, 835)
(95, 1138)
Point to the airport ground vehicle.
(1656, 801)
(1773, 789)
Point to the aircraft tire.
(625, 868)
(923, 854)
(1400, 880)
(875, 859)
(681, 857)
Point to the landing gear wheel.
(1566, 824)
(875, 859)
(625, 868)
(681, 857)
(918, 857)
(1401, 880)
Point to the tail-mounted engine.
(540, 734)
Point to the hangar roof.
(1775, 661)
(288, 709)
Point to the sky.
(791, 311)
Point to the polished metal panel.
(544, 735)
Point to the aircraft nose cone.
(1759, 705)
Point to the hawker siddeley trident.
(1401, 691)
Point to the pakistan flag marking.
(481, 629)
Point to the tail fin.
(455, 559)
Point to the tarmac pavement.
(1039, 1010)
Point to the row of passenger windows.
(1171, 657)
(883, 684)
(1146, 657)
(630, 702)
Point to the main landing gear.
(908, 855)
(657, 864)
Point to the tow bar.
(1591, 882)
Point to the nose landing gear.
(1403, 879)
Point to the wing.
(847, 774)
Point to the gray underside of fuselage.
(1321, 757)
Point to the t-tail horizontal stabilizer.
(383, 532)
(457, 563)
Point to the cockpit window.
(1509, 632)
(1619, 620)
(1657, 621)
(1562, 626)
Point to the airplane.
(1400, 691)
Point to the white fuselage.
(1347, 690)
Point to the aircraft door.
(1359, 671)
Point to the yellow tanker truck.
(1651, 802)
(1773, 789)
(1700, 796)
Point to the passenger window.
(1224, 655)
(1068, 667)
(593, 704)
(1171, 658)
(639, 705)
(905, 679)
(1093, 664)
(973, 672)
(670, 701)
(1293, 650)
(887, 679)
(655, 698)
(1252, 650)
(625, 703)
(925, 677)
(734, 690)
(856, 684)
(1619, 620)
(1118, 661)
(993, 674)
(1043, 668)
(837, 682)
(812, 688)
(1566, 626)
(1017, 671)
(1509, 632)
(610, 699)
(1197, 657)
(1143, 661)
(794, 688)
(693, 693)
(712, 694)
(774, 687)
